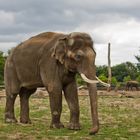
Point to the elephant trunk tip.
(93, 130)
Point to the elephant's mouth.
(73, 70)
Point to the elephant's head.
(76, 52)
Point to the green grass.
(119, 120)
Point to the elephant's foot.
(94, 130)
(74, 126)
(25, 121)
(10, 117)
(57, 125)
(10, 120)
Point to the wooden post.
(109, 67)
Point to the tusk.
(94, 81)
(103, 83)
(88, 80)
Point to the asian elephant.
(131, 84)
(51, 60)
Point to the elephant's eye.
(78, 57)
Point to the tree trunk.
(109, 68)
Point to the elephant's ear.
(60, 48)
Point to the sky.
(117, 22)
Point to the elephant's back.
(35, 44)
(38, 40)
(42, 37)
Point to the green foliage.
(102, 70)
(114, 81)
(2, 62)
(138, 64)
(103, 78)
(127, 78)
(138, 79)
(131, 69)
(119, 71)
(123, 70)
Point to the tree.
(138, 59)
(127, 78)
(132, 70)
(2, 62)
(109, 68)
(123, 70)
(102, 70)
(119, 71)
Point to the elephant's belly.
(31, 84)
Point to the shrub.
(126, 78)
(103, 78)
(138, 79)
(114, 81)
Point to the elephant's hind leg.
(24, 105)
(12, 90)
(9, 109)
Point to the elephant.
(131, 84)
(52, 60)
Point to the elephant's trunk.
(89, 76)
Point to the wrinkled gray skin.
(132, 84)
(51, 60)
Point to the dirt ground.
(41, 92)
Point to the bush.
(114, 81)
(103, 78)
(138, 79)
(126, 78)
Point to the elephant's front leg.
(71, 95)
(56, 108)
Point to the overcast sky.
(114, 21)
